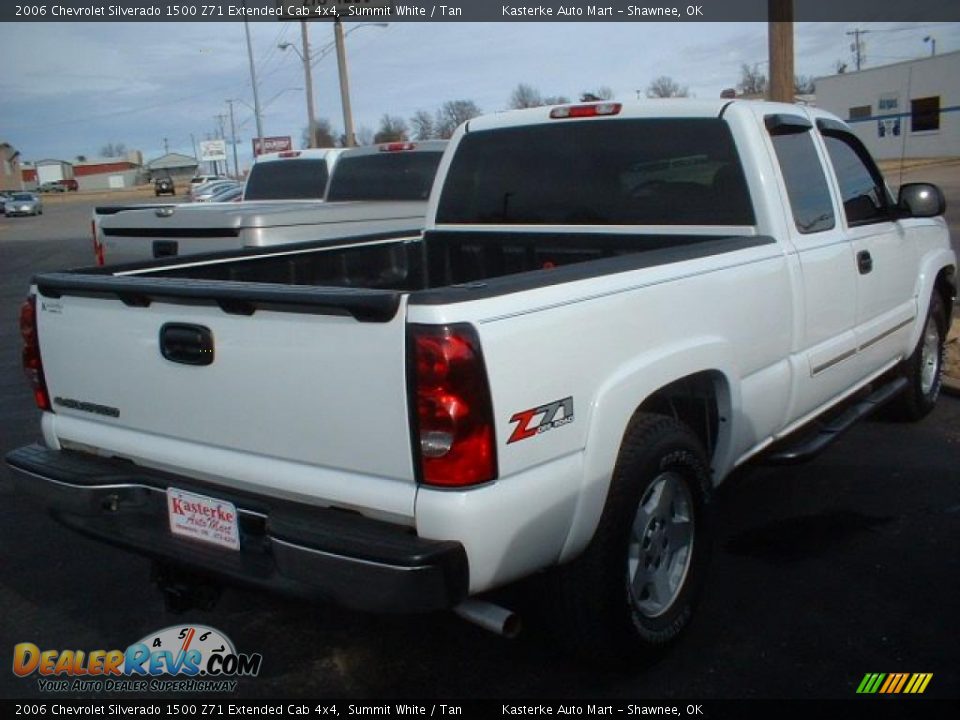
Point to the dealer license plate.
(203, 518)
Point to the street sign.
(280, 143)
(213, 150)
(333, 9)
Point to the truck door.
(824, 364)
(886, 256)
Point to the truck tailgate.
(315, 376)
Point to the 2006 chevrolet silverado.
(611, 308)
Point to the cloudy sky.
(69, 89)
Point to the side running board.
(794, 452)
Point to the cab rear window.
(611, 172)
(385, 176)
(302, 179)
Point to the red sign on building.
(272, 144)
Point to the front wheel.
(924, 368)
(634, 589)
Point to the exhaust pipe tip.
(489, 616)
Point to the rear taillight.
(97, 245)
(32, 365)
(453, 414)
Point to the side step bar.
(807, 446)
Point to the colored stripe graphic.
(894, 683)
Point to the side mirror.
(921, 200)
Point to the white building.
(909, 109)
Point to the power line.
(910, 28)
(272, 50)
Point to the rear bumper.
(285, 546)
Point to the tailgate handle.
(164, 248)
(186, 344)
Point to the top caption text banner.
(925, 11)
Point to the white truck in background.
(611, 308)
(289, 198)
(291, 174)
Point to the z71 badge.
(540, 419)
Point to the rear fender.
(618, 399)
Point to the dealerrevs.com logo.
(180, 658)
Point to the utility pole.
(780, 48)
(253, 82)
(308, 79)
(166, 147)
(344, 82)
(857, 45)
(233, 141)
(193, 141)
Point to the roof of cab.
(400, 146)
(654, 108)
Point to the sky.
(68, 89)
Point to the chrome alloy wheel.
(930, 357)
(661, 545)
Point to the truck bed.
(365, 276)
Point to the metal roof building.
(175, 165)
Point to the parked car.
(51, 186)
(197, 188)
(4, 196)
(23, 203)
(205, 193)
(228, 194)
(201, 179)
(164, 186)
(68, 184)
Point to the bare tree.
(452, 114)
(323, 134)
(602, 93)
(391, 129)
(804, 85)
(556, 100)
(81, 158)
(525, 96)
(665, 87)
(422, 124)
(364, 135)
(752, 81)
(113, 150)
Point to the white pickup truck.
(370, 191)
(612, 307)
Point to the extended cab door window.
(864, 195)
(803, 176)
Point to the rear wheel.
(924, 368)
(634, 589)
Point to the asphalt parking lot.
(823, 572)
